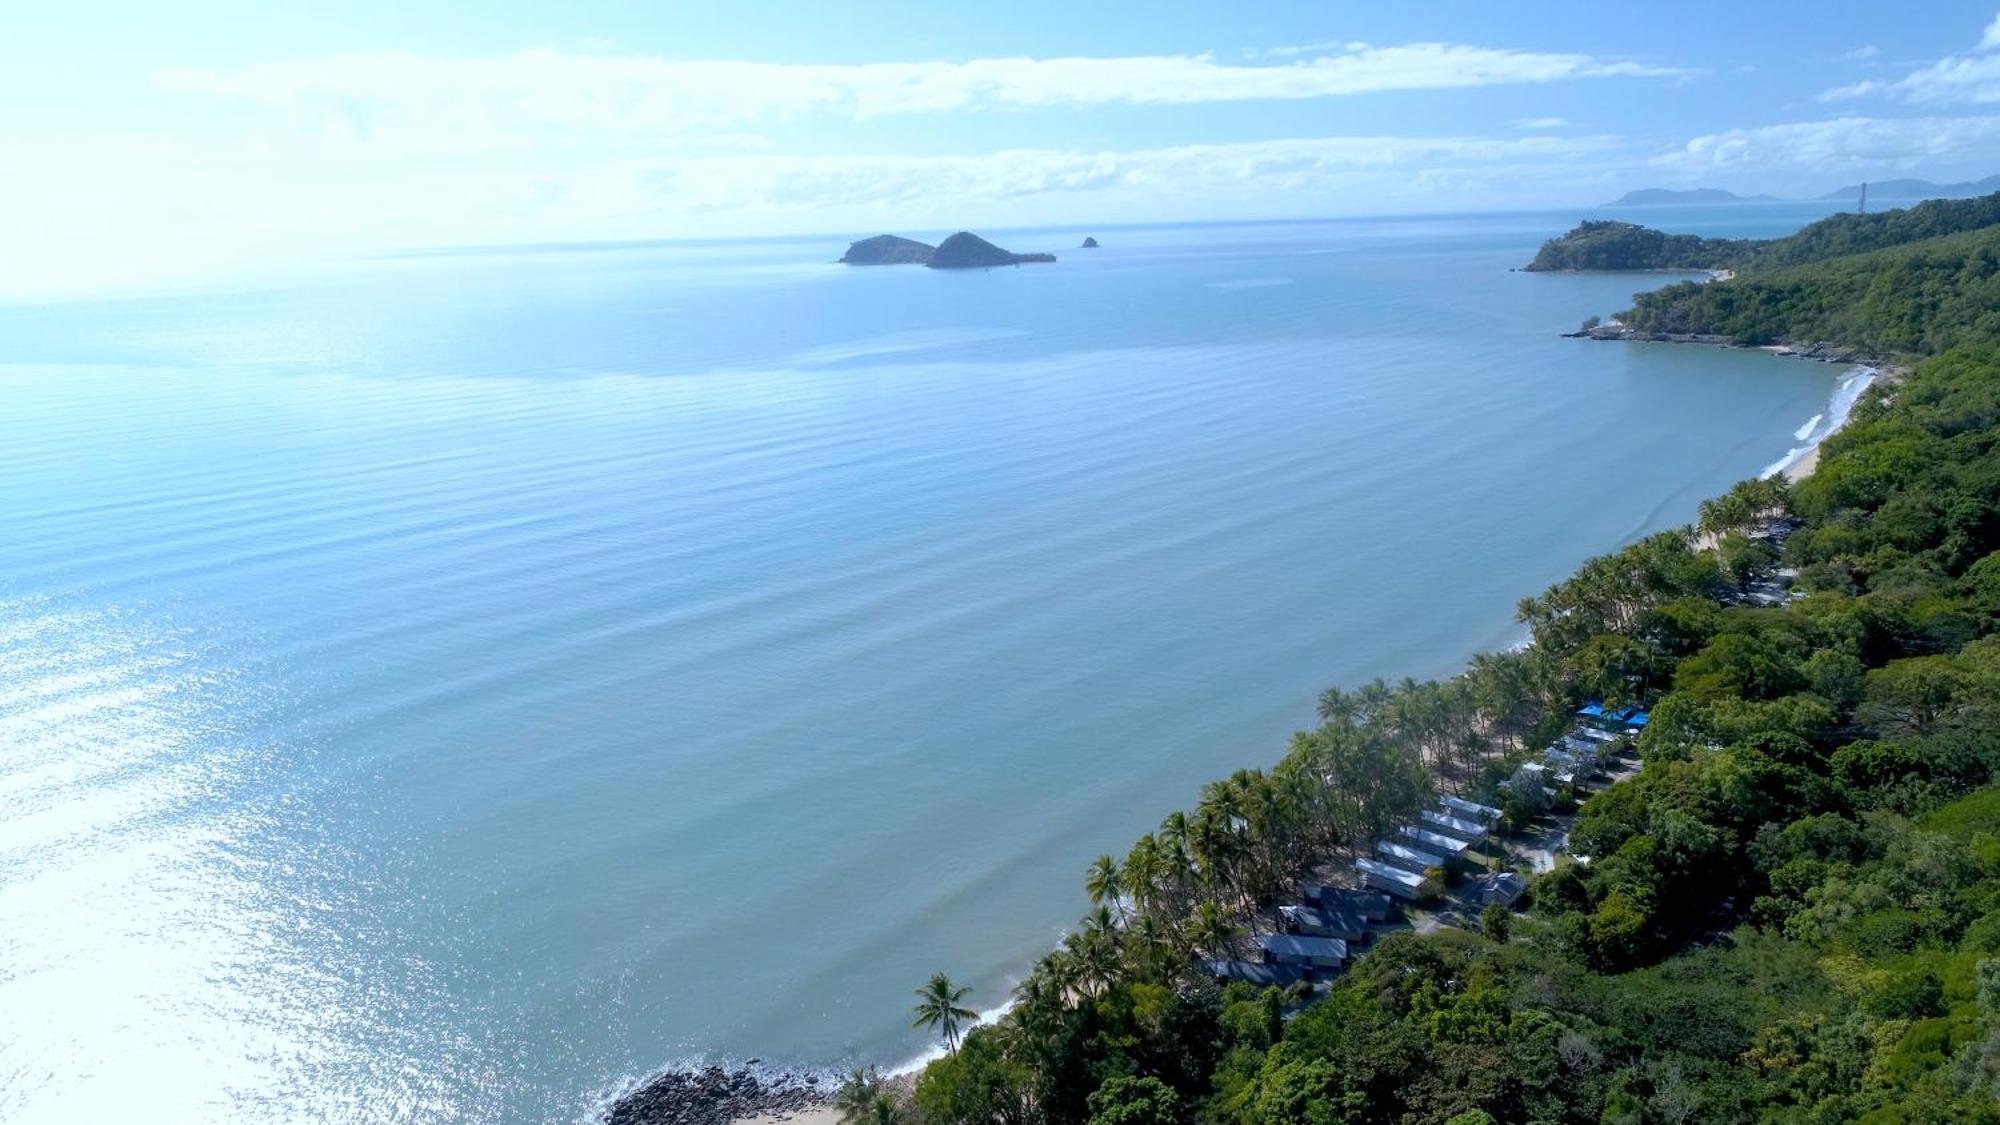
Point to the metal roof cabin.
(1394, 880)
(1470, 810)
(1297, 949)
(1366, 904)
(1502, 888)
(1630, 718)
(1256, 972)
(1314, 922)
(1451, 847)
(1453, 826)
(1403, 855)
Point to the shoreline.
(719, 1095)
(1798, 464)
(676, 1097)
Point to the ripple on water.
(174, 943)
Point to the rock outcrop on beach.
(1822, 350)
(967, 251)
(888, 250)
(1090, 244)
(714, 1096)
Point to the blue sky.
(227, 130)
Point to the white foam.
(936, 1050)
(1822, 426)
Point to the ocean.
(454, 685)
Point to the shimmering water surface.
(450, 686)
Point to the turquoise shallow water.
(451, 686)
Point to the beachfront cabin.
(1392, 880)
(1579, 754)
(1608, 745)
(1402, 855)
(1298, 949)
(1583, 748)
(1503, 888)
(1315, 922)
(1529, 778)
(1365, 905)
(1469, 810)
(1562, 768)
(1256, 972)
(1613, 718)
(1449, 847)
(1453, 826)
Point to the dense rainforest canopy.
(1605, 244)
(1790, 914)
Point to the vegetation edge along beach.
(1753, 761)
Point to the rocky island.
(888, 250)
(962, 251)
(967, 251)
(1090, 244)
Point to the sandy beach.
(817, 1115)
(1804, 466)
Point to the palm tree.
(1144, 868)
(1212, 928)
(1106, 884)
(856, 1098)
(1094, 954)
(938, 1008)
(1039, 1003)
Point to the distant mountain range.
(1653, 195)
(1905, 189)
(1918, 189)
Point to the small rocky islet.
(962, 251)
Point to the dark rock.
(968, 251)
(1090, 244)
(714, 1096)
(888, 250)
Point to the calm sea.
(452, 686)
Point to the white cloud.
(1845, 143)
(101, 209)
(702, 183)
(1954, 80)
(1295, 50)
(426, 100)
(1971, 80)
(1865, 54)
(1543, 123)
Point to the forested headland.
(1790, 914)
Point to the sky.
(136, 135)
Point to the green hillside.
(1919, 298)
(1790, 913)
(1608, 245)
